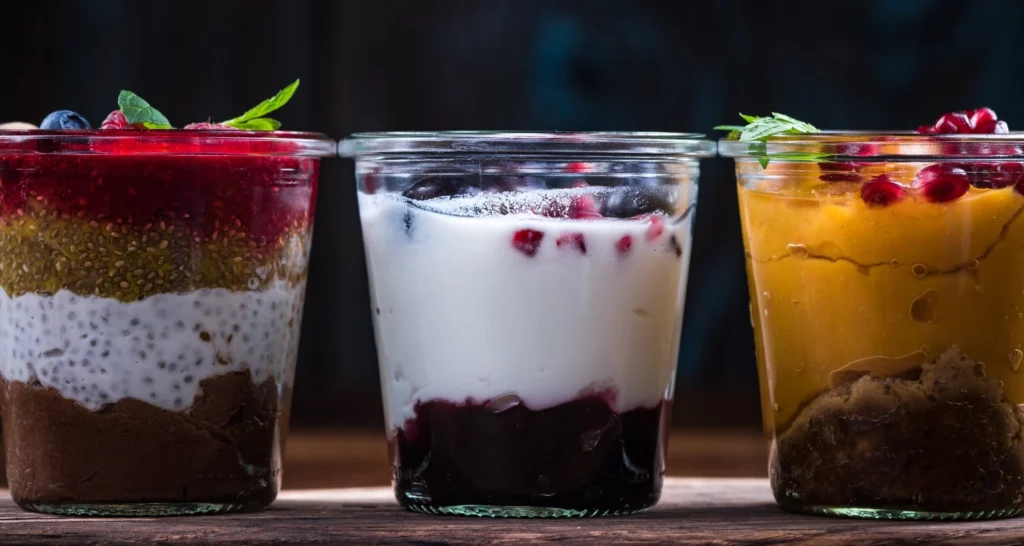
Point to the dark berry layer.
(579, 455)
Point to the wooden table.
(693, 510)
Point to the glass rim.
(877, 146)
(528, 143)
(167, 142)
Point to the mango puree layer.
(839, 288)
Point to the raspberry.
(115, 121)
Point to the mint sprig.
(137, 111)
(762, 128)
(255, 120)
(759, 129)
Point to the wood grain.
(692, 511)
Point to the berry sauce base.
(575, 459)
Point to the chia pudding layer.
(150, 306)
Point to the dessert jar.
(527, 295)
(887, 298)
(151, 291)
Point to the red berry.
(840, 177)
(980, 116)
(583, 208)
(207, 126)
(994, 175)
(577, 167)
(527, 241)
(656, 229)
(980, 121)
(624, 244)
(942, 183)
(574, 241)
(881, 191)
(580, 184)
(115, 120)
(953, 122)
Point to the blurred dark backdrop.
(373, 65)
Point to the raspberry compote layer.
(527, 345)
(150, 301)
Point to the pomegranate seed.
(992, 128)
(583, 208)
(881, 191)
(980, 121)
(577, 167)
(624, 244)
(574, 241)
(527, 241)
(981, 115)
(656, 229)
(840, 177)
(953, 122)
(115, 120)
(994, 175)
(942, 183)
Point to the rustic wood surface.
(334, 496)
(692, 511)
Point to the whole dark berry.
(64, 120)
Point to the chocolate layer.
(225, 448)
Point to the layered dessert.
(151, 291)
(10, 126)
(528, 334)
(886, 299)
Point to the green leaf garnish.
(760, 129)
(254, 120)
(137, 111)
(763, 128)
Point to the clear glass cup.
(527, 293)
(151, 290)
(887, 290)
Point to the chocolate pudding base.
(222, 454)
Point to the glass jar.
(887, 298)
(527, 293)
(151, 290)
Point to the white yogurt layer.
(462, 315)
(97, 351)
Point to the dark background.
(374, 65)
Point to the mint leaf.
(760, 129)
(258, 124)
(138, 112)
(253, 119)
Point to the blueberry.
(633, 201)
(439, 186)
(64, 120)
